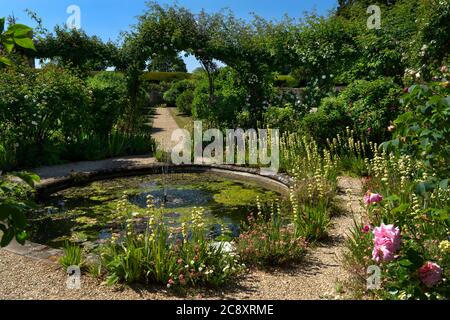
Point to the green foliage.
(330, 120)
(176, 89)
(184, 102)
(167, 63)
(110, 100)
(323, 48)
(423, 131)
(17, 35)
(371, 106)
(36, 107)
(230, 101)
(422, 215)
(281, 118)
(13, 207)
(40, 125)
(314, 221)
(73, 256)
(286, 81)
(74, 48)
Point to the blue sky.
(107, 18)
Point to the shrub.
(281, 118)
(327, 122)
(110, 100)
(371, 105)
(422, 131)
(230, 102)
(37, 108)
(165, 76)
(50, 115)
(184, 102)
(418, 266)
(175, 90)
(269, 243)
(286, 81)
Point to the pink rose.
(371, 198)
(387, 242)
(430, 274)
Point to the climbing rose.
(430, 274)
(386, 243)
(370, 198)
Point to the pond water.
(88, 215)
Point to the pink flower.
(430, 274)
(366, 229)
(371, 198)
(386, 243)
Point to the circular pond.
(88, 215)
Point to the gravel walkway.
(163, 127)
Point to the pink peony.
(430, 274)
(371, 198)
(386, 243)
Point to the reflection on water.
(88, 214)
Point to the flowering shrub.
(40, 125)
(409, 242)
(269, 243)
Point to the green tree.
(163, 63)
(71, 47)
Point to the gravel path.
(163, 126)
(315, 278)
(64, 170)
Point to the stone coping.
(277, 182)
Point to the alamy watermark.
(374, 21)
(74, 20)
(259, 147)
(73, 281)
(374, 279)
